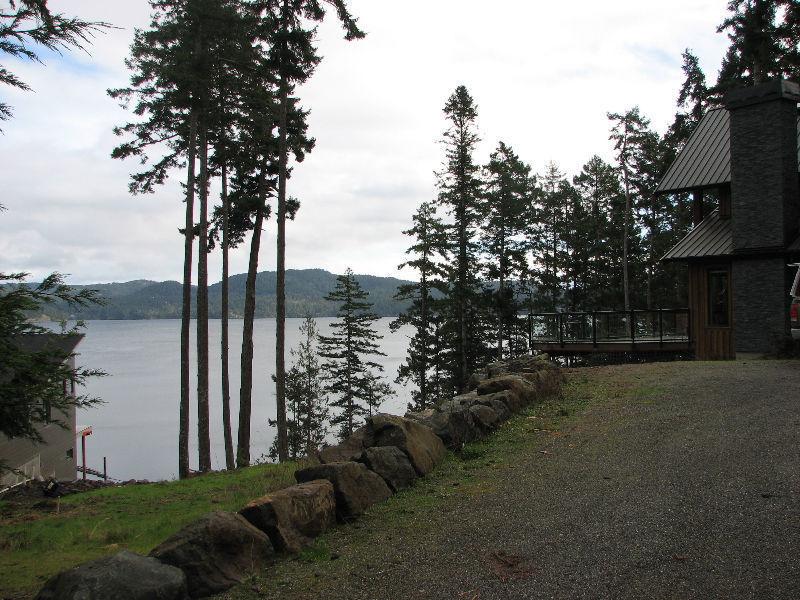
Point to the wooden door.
(711, 310)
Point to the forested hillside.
(305, 289)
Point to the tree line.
(500, 241)
(213, 90)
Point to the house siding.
(761, 304)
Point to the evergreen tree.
(692, 99)
(166, 61)
(545, 237)
(508, 194)
(307, 409)
(29, 26)
(35, 378)
(460, 195)
(424, 350)
(352, 379)
(293, 58)
(755, 52)
(599, 188)
(576, 236)
(628, 134)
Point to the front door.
(712, 311)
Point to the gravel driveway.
(689, 487)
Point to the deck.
(611, 331)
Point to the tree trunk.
(280, 287)
(246, 389)
(423, 317)
(186, 309)
(626, 227)
(230, 463)
(203, 428)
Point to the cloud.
(543, 75)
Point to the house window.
(718, 304)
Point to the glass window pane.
(718, 298)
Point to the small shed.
(738, 254)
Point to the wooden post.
(105, 473)
(594, 329)
(697, 207)
(561, 329)
(660, 328)
(633, 326)
(83, 452)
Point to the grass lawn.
(35, 544)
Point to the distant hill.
(305, 290)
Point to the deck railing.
(663, 326)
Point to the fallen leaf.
(679, 557)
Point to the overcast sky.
(543, 74)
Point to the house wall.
(48, 459)
(709, 342)
(761, 303)
(764, 172)
(765, 199)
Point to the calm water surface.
(137, 428)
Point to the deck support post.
(83, 452)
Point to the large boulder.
(355, 487)
(391, 464)
(123, 576)
(216, 552)
(485, 417)
(497, 405)
(451, 422)
(526, 391)
(349, 450)
(510, 398)
(422, 446)
(294, 516)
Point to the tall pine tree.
(460, 195)
(508, 193)
(425, 348)
(352, 377)
(289, 33)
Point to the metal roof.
(705, 161)
(48, 342)
(712, 237)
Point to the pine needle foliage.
(352, 379)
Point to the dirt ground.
(674, 480)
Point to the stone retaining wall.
(384, 456)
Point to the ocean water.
(136, 429)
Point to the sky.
(543, 75)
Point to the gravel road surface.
(689, 488)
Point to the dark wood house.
(738, 254)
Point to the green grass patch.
(35, 545)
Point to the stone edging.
(386, 455)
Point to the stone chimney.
(765, 209)
(764, 173)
